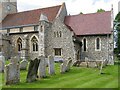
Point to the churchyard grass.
(77, 77)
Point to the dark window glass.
(97, 43)
(84, 42)
(19, 44)
(57, 51)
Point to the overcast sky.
(73, 6)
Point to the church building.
(51, 31)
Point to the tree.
(81, 13)
(117, 27)
(100, 10)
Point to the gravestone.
(68, 64)
(12, 73)
(92, 64)
(42, 67)
(83, 64)
(51, 65)
(23, 65)
(2, 63)
(32, 70)
(65, 66)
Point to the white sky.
(73, 6)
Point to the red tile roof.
(90, 24)
(30, 17)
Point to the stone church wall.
(5, 45)
(91, 53)
(14, 38)
(64, 42)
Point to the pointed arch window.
(19, 44)
(98, 45)
(34, 44)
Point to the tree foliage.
(81, 12)
(100, 10)
(117, 27)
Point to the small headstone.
(32, 70)
(42, 67)
(68, 64)
(83, 64)
(23, 65)
(65, 66)
(51, 65)
(2, 63)
(92, 64)
(12, 74)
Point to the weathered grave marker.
(65, 66)
(32, 70)
(68, 64)
(2, 63)
(12, 73)
(23, 65)
(51, 65)
(42, 67)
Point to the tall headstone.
(12, 73)
(32, 70)
(51, 65)
(42, 67)
(2, 63)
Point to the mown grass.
(77, 77)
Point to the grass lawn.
(78, 77)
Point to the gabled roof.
(90, 24)
(29, 17)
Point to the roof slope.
(90, 24)
(30, 17)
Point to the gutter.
(11, 27)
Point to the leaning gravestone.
(42, 67)
(12, 73)
(23, 65)
(32, 70)
(2, 63)
(51, 65)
